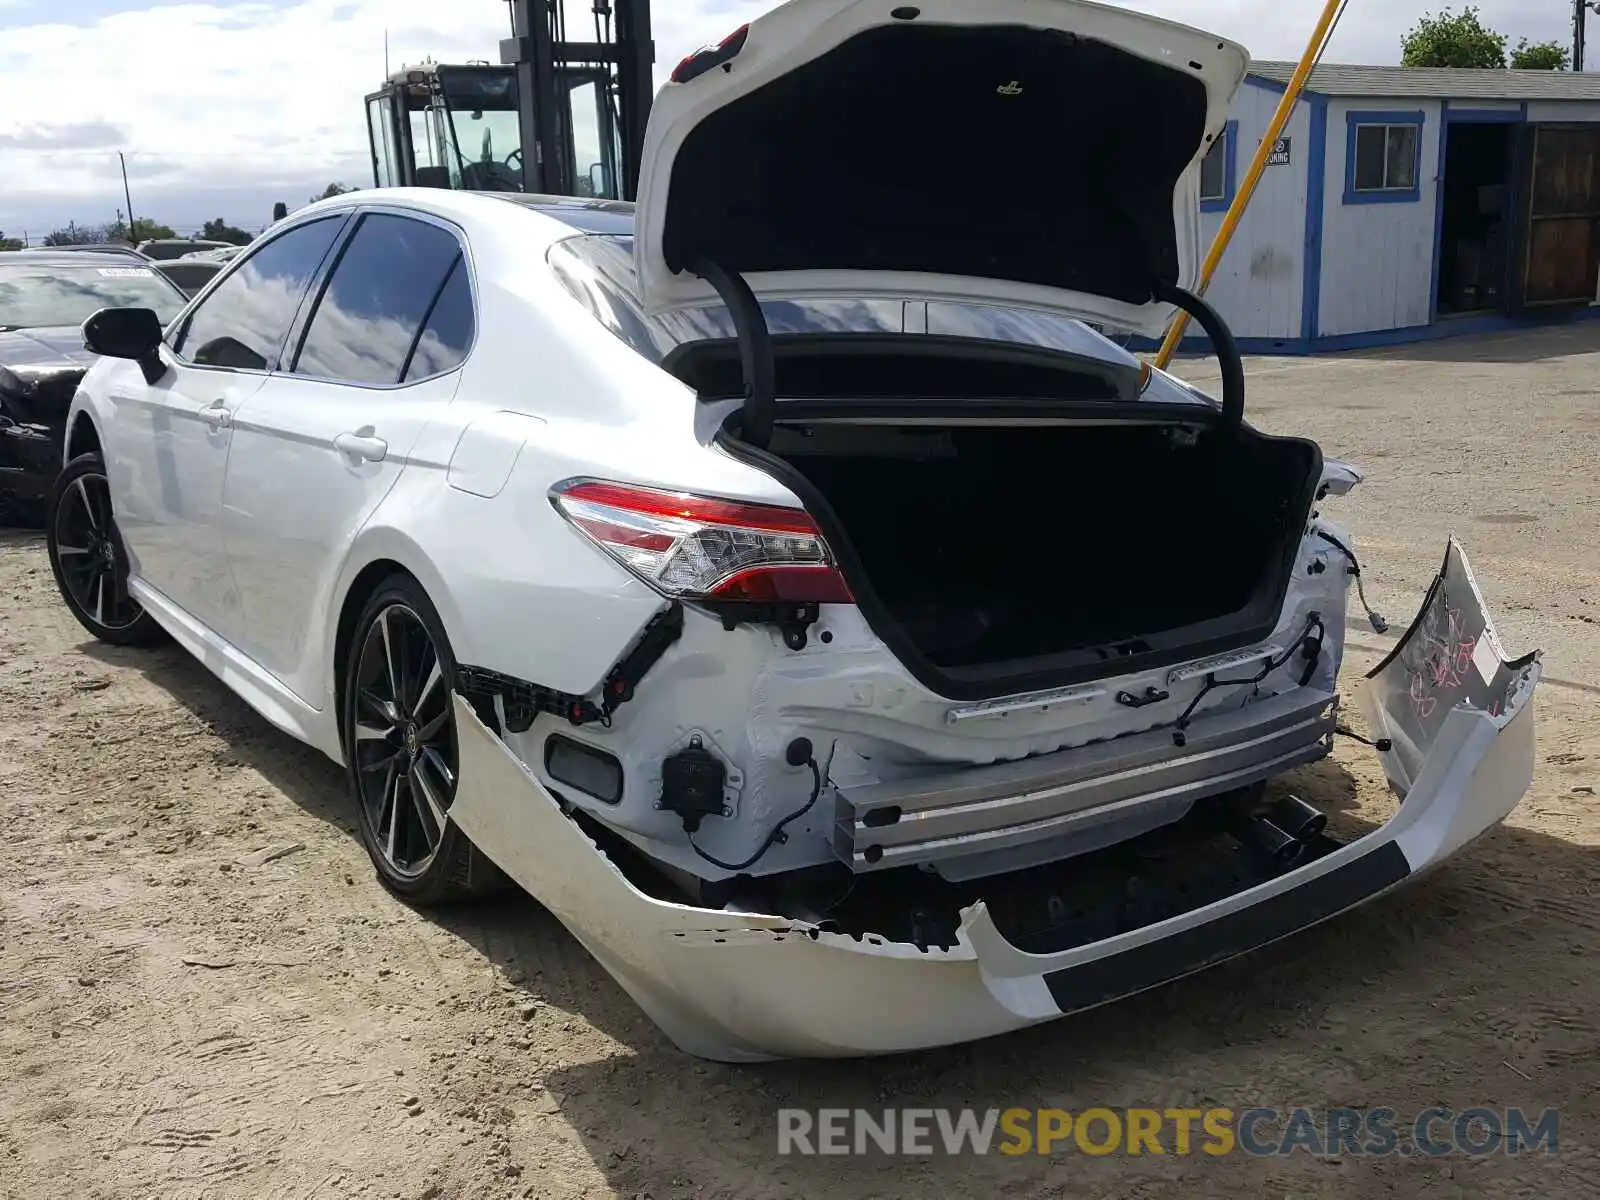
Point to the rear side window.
(448, 333)
(377, 301)
(245, 321)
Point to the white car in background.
(779, 582)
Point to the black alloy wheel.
(400, 745)
(88, 559)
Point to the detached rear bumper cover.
(740, 987)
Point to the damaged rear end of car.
(759, 974)
(962, 687)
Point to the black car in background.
(44, 300)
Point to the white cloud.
(236, 105)
(245, 99)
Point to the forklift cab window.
(382, 135)
(596, 142)
(480, 135)
(423, 141)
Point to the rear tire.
(399, 730)
(88, 559)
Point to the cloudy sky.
(223, 107)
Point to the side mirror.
(127, 333)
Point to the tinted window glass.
(369, 315)
(448, 333)
(1050, 331)
(244, 322)
(598, 271)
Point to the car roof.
(69, 258)
(585, 215)
(511, 219)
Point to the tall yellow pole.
(1280, 120)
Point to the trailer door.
(1563, 208)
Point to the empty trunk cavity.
(990, 554)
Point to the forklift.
(581, 106)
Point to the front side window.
(40, 297)
(1386, 158)
(244, 322)
(380, 294)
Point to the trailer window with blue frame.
(1384, 158)
(1218, 171)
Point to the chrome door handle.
(361, 446)
(217, 415)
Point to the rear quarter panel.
(519, 590)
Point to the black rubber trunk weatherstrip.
(1222, 342)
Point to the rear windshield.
(35, 297)
(598, 271)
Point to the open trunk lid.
(1024, 152)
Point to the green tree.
(332, 190)
(76, 235)
(144, 229)
(1446, 39)
(218, 230)
(1541, 56)
(9, 243)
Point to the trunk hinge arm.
(755, 351)
(1222, 341)
(524, 701)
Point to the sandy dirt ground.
(181, 1019)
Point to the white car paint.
(277, 539)
(168, 443)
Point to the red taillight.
(701, 547)
(785, 585)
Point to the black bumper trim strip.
(1246, 929)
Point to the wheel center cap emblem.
(413, 742)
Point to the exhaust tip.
(1267, 840)
(1299, 819)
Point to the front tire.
(88, 559)
(400, 747)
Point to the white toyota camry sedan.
(856, 651)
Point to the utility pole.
(128, 196)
